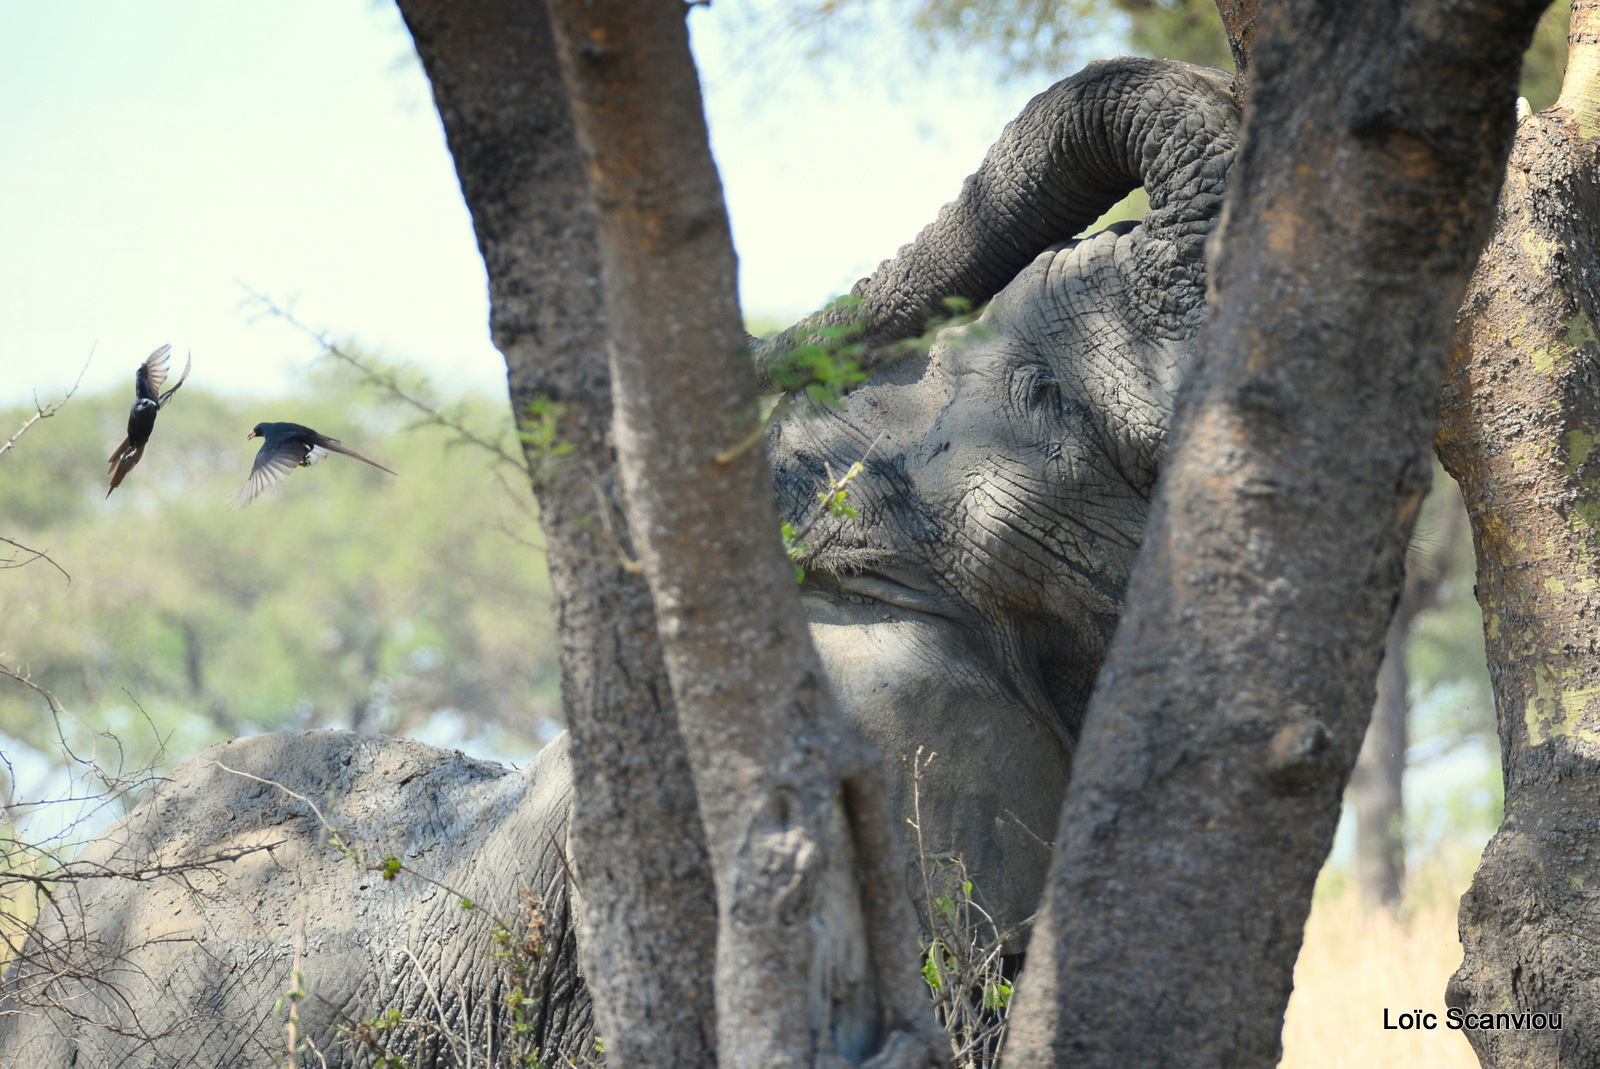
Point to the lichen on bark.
(1520, 418)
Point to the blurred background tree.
(1056, 37)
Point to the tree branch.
(389, 382)
(46, 411)
(36, 554)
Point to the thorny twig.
(387, 381)
(962, 961)
(114, 783)
(79, 872)
(46, 411)
(54, 961)
(39, 412)
(37, 554)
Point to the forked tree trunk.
(1224, 724)
(646, 907)
(816, 951)
(1520, 423)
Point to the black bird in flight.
(285, 447)
(147, 383)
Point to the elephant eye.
(1037, 390)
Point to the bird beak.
(249, 436)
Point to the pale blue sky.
(157, 154)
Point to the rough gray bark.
(646, 903)
(816, 952)
(1520, 420)
(1224, 724)
(1239, 18)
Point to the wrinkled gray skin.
(1008, 469)
(187, 970)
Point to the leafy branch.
(832, 500)
(963, 959)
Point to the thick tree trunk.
(816, 950)
(1224, 724)
(1521, 418)
(646, 902)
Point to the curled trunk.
(1075, 150)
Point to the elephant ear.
(1073, 152)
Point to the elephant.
(195, 965)
(962, 612)
(1007, 468)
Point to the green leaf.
(930, 969)
(996, 995)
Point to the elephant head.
(1007, 468)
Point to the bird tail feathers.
(123, 462)
(333, 444)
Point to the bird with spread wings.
(148, 400)
(285, 447)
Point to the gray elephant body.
(962, 614)
(195, 968)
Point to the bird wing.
(167, 396)
(152, 373)
(274, 462)
(333, 445)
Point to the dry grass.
(1354, 964)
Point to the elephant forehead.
(1072, 311)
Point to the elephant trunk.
(1073, 152)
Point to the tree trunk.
(647, 905)
(1520, 421)
(1239, 18)
(816, 951)
(1223, 726)
(1377, 784)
